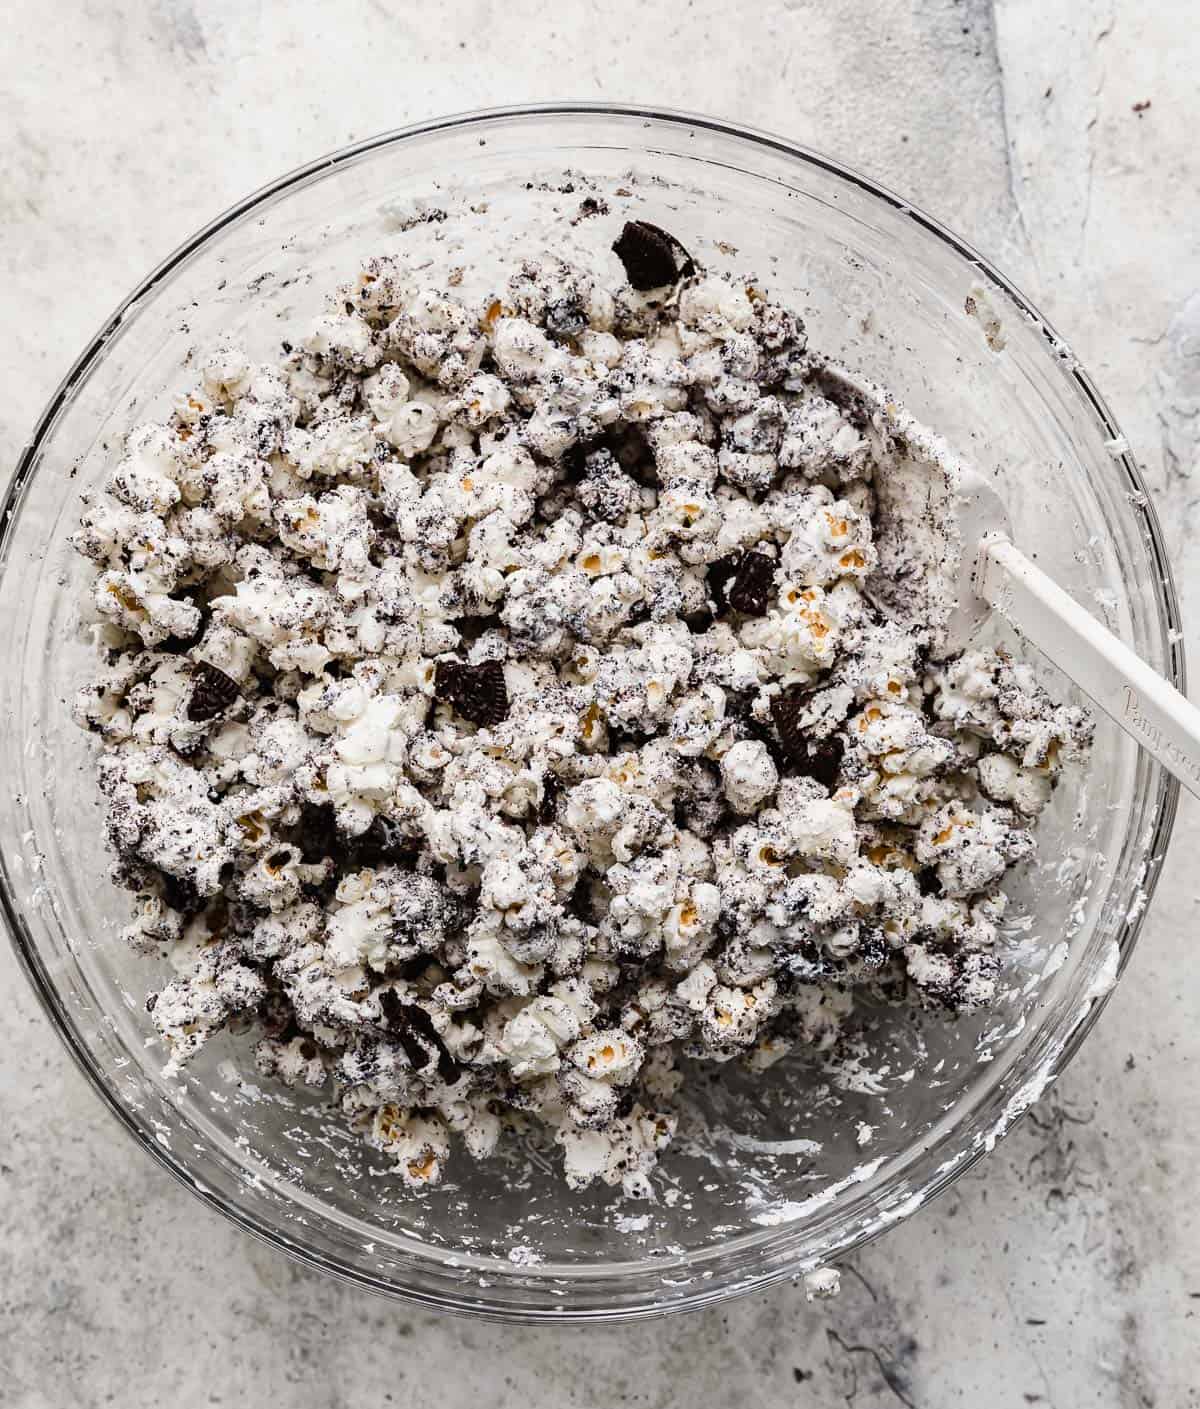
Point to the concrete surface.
(1062, 1273)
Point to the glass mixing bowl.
(745, 1197)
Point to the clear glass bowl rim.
(775, 1264)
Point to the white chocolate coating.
(719, 793)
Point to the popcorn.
(523, 352)
(822, 830)
(420, 1144)
(131, 600)
(818, 440)
(732, 1016)
(749, 775)
(368, 759)
(715, 307)
(828, 539)
(342, 445)
(295, 1063)
(698, 721)
(225, 372)
(154, 923)
(624, 1153)
(971, 850)
(689, 930)
(533, 1037)
(234, 488)
(1002, 779)
(490, 962)
(344, 339)
(438, 336)
(482, 399)
(412, 427)
(497, 705)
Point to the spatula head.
(981, 514)
(932, 512)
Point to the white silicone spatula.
(996, 575)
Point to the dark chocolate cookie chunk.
(651, 257)
(752, 585)
(317, 833)
(929, 882)
(718, 578)
(552, 789)
(414, 1030)
(385, 842)
(822, 760)
(477, 692)
(812, 758)
(212, 692)
(180, 893)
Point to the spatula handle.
(1150, 710)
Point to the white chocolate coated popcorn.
(495, 708)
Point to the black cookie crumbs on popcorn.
(873, 949)
(808, 964)
(212, 692)
(652, 258)
(750, 590)
(566, 318)
(477, 692)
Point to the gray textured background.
(1063, 1272)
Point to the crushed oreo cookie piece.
(317, 833)
(180, 893)
(873, 946)
(753, 582)
(928, 881)
(477, 692)
(588, 207)
(718, 578)
(652, 258)
(212, 693)
(821, 759)
(787, 711)
(385, 842)
(739, 706)
(551, 792)
(420, 1040)
(813, 758)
